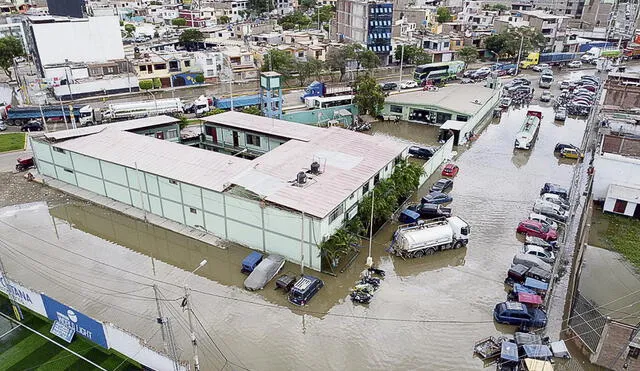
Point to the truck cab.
(531, 60)
(201, 105)
(315, 89)
(88, 116)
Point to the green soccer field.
(21, 349)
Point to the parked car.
(481, 73)
(555, 188)
(540, 252)
(536, 229)
(32, 125)
(431, 211)
(515, 313)
(561, 114)
(544, 220)
(571, 153)
(574, 64)
(547, 245)
(564, 85)
(437, 198)
(264, 272)
(304, 289)
(505, 102)
(389, 86)
(531, 261)
(556, 199)
(450, 170)
(442, 185)
(468, 73)
(250, 262)
(522, 81)
(540, 67)
(409, 84)
(551, 210)
(421, 152)
(546, 96)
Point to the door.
(620, 206)
(214, 135)
(159, 135)
(636, 213)
(235, 139)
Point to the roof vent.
(315, 168)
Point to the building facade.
(367, 23)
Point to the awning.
(453, 125)
(624, 193)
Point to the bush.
(199, 78)
(157, 84)
(145, 84)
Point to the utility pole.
(401, 60)
(519, 53)
(161, 320)
(187, 302)
(369, 258)
(302, 245)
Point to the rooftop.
(466, 99)
(121, 126)
(541, 14)
(265, 125)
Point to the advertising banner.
(22, 295)
(84, 325)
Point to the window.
(395, 109)
(58, 149)
(365, 188)
(69, 171)
(209, 61)
(376, 179)
(253, 140)
(620, 206)
(171, 181)
(193, 210)
(300, 54)
(173, 133)
(143, 68)
(161, 66)
(336, 213)
(462, 118)
(634, 352)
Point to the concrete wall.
(433, 164)
(612, 168)
(254, 224)
(613, 348)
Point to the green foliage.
(199, 78)
(443, 15)
(617, 233)
(468, 54)
(11, 141)
(179, 22)
(145, 84)
(495, 7)
(307, 4)
(280, 61)
(293, 20)
(252, 110)
(326, 13)
(243, 14)
(121, 23)
(191, 35)
(258, 7)
(341, 243)
(224, 19)
(337, 58)
(413, 54)
(507, 43)
(307, 69)
(214, 111)
(129, 29)
(369, 96)
(157, 84)
(184, 121)
(367, 59)
(10, 48)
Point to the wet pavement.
(427, 314)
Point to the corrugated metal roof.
(120, 125)
(347, 160)
(182, 163)
(260, 124)
(468, 98)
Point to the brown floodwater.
(427, 314)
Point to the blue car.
(514, 313)
(437, 198)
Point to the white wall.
(98, 85)
(612, 168)
(610, 203)
(96, 39)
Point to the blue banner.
(83, 325)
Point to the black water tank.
(301, 178)
(315, 167)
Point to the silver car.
(264, 272)
(551, 210)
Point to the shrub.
(145, 84)
(157, 84)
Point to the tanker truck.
(416, 240)
(127, 111)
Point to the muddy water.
(427, 315)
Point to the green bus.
(441, 71)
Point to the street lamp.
(228, 59)
(519, 53)
(187, 303)
(401, 60)
(497, 56)
(155, 102)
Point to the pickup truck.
(421, 152)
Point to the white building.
(286, 201)
(209, 62)
(16, 30)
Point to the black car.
(561, 146)
(555, 189)
(430, 211)
(442, 185)
(389, 86)
(421, 152)
(31, 126)
(522, 81)
(480, 74)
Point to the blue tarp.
(509, 351)
(409, 216)
(238, 102)
(536, 284)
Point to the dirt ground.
(15, 189)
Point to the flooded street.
(428, 313)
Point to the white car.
(554, 198)
(540, 252)
(408, 84)
(544, 220)
(540, 67)
(575, 64)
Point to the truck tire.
(458, 244)
(418, 254)
(430, 251)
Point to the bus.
(447, 69)
(326, 102)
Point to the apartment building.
(366, 23)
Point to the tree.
(224, 19)
(307, 69)
(293, 20)
(326, 13)
(443, 14)
(10, 48)
(341, 243)
(145, 84)
(280, 61)
(507, 43)
(179, 22)
(367, 59)
(468, 54)
(190, 37)
(307, 4)
(243, 14)
(200, 78)
(338, 57)
(413, 55)
(369, 96)
(129, 29)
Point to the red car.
(450, 170)
(536, 229)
